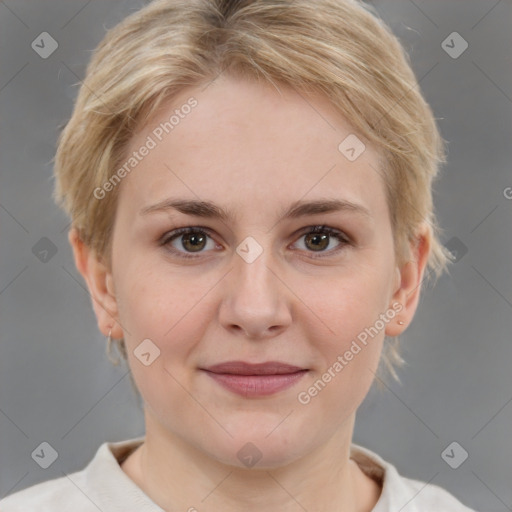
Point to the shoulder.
(427, 497)
(99, 486)
(51, 496)
(401, 493)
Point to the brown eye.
(193, 242)
(318, 239)
(184, 242)
(317, 242)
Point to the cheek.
(345, 362)
(347, 333)
(347, 303)
(157, 299)
(168, 307)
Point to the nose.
(256, 303)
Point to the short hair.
(339, 48)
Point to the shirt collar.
(114, 490)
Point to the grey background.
(57, 385)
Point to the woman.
(249, 185)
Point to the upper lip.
(243, 368)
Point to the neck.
(178, 476)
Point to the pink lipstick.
(253, 380)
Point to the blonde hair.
(339, 48)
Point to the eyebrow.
(207, 209)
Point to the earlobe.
(100, 284)
(410, 278)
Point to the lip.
(253, 380)
(243, 368)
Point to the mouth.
(254, 380)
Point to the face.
(257, 285)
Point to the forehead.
(248, 146)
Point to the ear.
(100, 283)
(409, 278)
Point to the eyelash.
(172, 235)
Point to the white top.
(104, 486)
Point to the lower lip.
(256, 385)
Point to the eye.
(193, 239)
(318, 238)
(190, 240)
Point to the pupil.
(195, 240)
(320, 240)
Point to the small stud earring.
(401, 322)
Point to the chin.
(258, 455)
(256, 449)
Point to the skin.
(253, 150)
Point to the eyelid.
(344, 238)
(175, 233)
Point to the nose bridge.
(255, 298)
(253, 263)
